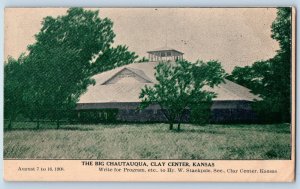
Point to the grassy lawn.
(148, 141)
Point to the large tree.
(252, 77)
(180, 86)
(14, 86)
(69, 49)
(271, 79)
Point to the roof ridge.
(143, 76)
(131, 70)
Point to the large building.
(116, 94)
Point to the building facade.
(116, 94)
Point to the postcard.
(150, 94)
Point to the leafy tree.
(14, 87)
(252, 77)
(200, 113)
(271, 78)
(281, 29)
(180, 86)
(279, 81)
(69, 50)
(112, 58)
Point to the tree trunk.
(57, 124)
(10, 124)
(179, 121)
(38, 124)
(178, 127)
(171, 126)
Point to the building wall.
(221, 112)
(233, 112)
(147, 115)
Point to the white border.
(139, 3)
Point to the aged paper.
(149, 94)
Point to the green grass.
(148, 141)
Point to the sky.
(234, 36)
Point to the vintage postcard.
(149, 94)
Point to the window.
(168, 53)
(163, 54)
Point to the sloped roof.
(164, 49)
(139, 73)
(129, 92)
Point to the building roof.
(102, 92)
(164, 49)
(137, 72)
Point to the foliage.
(252, 77)
(201, 112)
(180, 86)
(14, 87)
(271, 79)
(281, 29)
(112, 58)
(69, 50)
